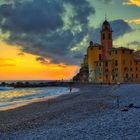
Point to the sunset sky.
(46, 39)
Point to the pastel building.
(107, 64)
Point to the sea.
(16, 97)
(30, 81)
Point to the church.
(104, 63)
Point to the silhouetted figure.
(118, 84)
(70, 89)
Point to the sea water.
(17, 97)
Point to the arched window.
(109, 36)
(100, 57)
(127, 75)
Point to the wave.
(6, 88)
(12, 97)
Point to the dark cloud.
(42, 60)
(119, 27)
(78, 55)
(106, 1)
(80, 7)
(37, 16)
(134, 43)
(38, 26)
(62, 65)
(20, 54)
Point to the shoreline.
(48, 106)
(87, 113)
(38, 98)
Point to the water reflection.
(18, 97)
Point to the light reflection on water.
(18, 97)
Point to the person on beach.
(118, 83)
(70, 89)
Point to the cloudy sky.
(46, 39)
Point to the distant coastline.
(34, 83)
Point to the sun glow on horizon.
(16, 65)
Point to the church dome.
(106, 25)
(91, 43)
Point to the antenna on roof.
(105, 16)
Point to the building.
(83, 74)
(107, 64)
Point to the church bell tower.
(106, 39)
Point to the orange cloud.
(6, 62)
(20, 54)
(16, 65)
(133, 2)
(136, 21)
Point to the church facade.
(106, 64)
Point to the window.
(127, 75)
(136, 75)
(116, 52)
(91, 49)
(130, 62)
(123, 62)
(132, 75)
(106, 70)
(106, 76)
(99, 48)
(130, 52)
(136, 68)
(109, 36)
(130, 69)
(136, 63)
(103, 36)
(123, 51)
(100, 57)
(113, 77)
(116, 62)
(106, 64)
(125, 69)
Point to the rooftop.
(121, 48)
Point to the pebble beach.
(90, 114)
